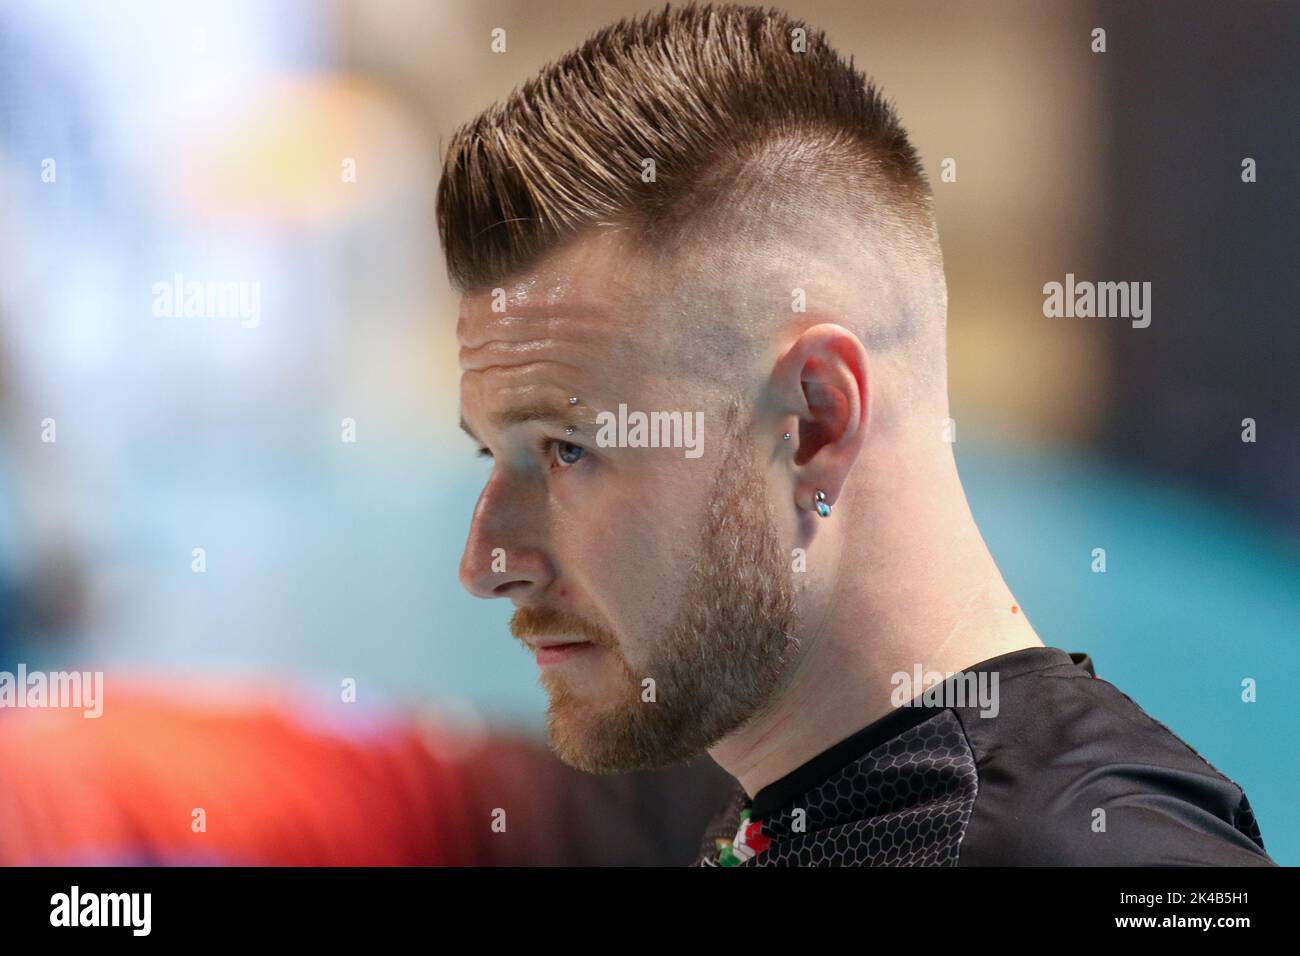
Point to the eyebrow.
(575, 415)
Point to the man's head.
(705, 212)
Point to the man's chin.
(586, 735)
(619, 737)
(600, 739)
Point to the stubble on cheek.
(716, 663)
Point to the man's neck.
(832, 698)
(940, 604)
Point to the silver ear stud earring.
(823, 508)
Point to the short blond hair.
(731, 103)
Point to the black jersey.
(1066, 770)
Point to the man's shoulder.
(1073, 772)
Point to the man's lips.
(550, 651)
(537, 643)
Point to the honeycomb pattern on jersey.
(906, 803)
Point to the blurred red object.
(280, 785)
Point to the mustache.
(539, 621)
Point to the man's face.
(651, 584)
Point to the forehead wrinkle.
(525, 375)
(520, 343)
(476, 329)
(519, 354)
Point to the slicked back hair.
(738, 107)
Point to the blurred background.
(295, 147)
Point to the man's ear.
(821, 382)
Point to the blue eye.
(568, 453)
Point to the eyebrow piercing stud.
(823, 508)
(573, 399)
(569, 429)
(785, 437)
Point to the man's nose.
(503, 555)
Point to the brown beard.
(723, 660)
